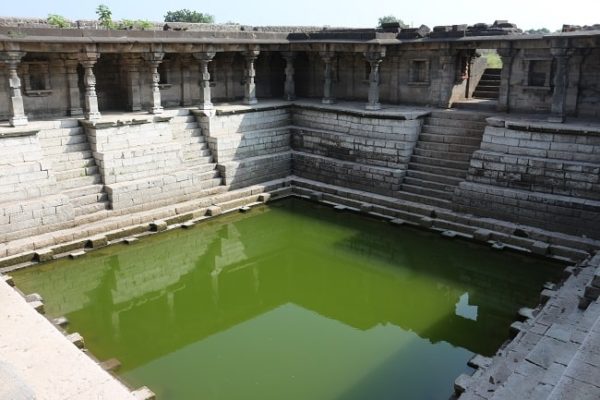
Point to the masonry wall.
(30, 201)
(542, 175)
(249, 146)
(142, 162)
(350, 150)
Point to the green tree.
(390, 18)
(58, 21)
(105, 16)
(186, 15)
(540, 31)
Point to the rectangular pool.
(292, 301)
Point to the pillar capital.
(251, 54)
(327, 56)
(12, 58)
(206, 56)
(374, 56)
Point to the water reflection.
(299, 271)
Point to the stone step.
(74, 164)
(195, 146)
(437, 170)
(460, 115)
(487, 88)
(79, 155)
(456, 123)
(410, 181)
(450, 139)
(421, 199)
(81, 181)
(76, 173)
(427, 192)
(182, 119)
(490, 80)
(92, 209)
(84, 191)
(191, 140)
(208, 175)
(198, 160)
(443, 155)
(61, 133)
(184, 126)
(200, 168)
(89, 199)
(449, 130)
(459, 165)
(71, 148)
(480, 94)
(455, 148)
(431, 177)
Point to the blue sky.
(354, 13)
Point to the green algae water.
(291, 301)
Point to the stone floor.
(555, 355)
(37, 362)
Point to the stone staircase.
(441, 156)
(489, 85)
(197, 156)
(75, 169)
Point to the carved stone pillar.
(289, 89)
(73, 83)
(250, 86)
(204, 59)
(134, 95)
(154, 59)
(89, 79)
(561, 56)
(327, 57)
(374, 58)
(226, 64)
(507, 56)
(12, 59)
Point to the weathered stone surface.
(143, 393)
(77, 340)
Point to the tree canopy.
(540, 31)
(186, 15)
(390, 18)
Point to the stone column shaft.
(73, 82)
(507, 56)
(327, 58)
(186, 87)
(204, 59)
(560, 84)
(374, 59)
(89, 79)
(17, 110)
(134, 94)
(250, 86)
(289, 89)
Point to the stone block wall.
(29, 199)
(353, 149)
(142, 165)
(542, 175)
(249, 145)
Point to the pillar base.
(93, 116)
(157, 110)
(328, 100)
(289, 97)
(18, 121)
(373, 107)
(76, 112)
(206, 106)
(559, 119)
(250, 101)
